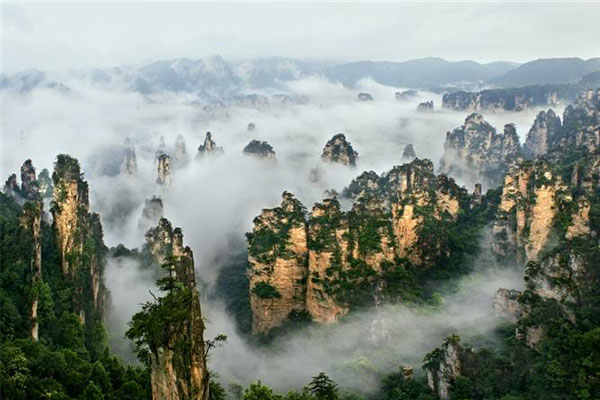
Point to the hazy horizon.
(61, 36)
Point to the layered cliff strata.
(528, 207)
(513, 99)
(79, 238)
(164, 170)
(475, 152)
(178, 357)
(444, 366)
(277, 255)
(543, 133)
(338, 260)
(545, 220)
(339, 150)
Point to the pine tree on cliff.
(168, 332)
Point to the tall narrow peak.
(339, 150)
(543, 133)
(29, 183)
(277, 255)
(31, 222)
(164, 170)
(129, 165)
(172, 328)
(79, 238)
(474, 151)
(209, 147)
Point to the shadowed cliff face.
(546, 223)
(178, 356)
(338, 260)
(475, 151)
(79, 237)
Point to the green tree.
(258, 391)
(323, 388)
(92, 392)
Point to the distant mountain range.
(213, 79)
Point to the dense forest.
(406, 231)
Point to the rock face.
(365, 97)
(79, 238)
(544, 221)
(178, 360)
(514, 99)
(443, 366)
(29, 189)
(129, 165)
(164, 170)
(409, 153)
(528, 206)
(152, 212)
(544, 132)
(277, 254)
(507, 303)
(29, 185)
(475, 151)
(209, 147)
(11, 186)
(425, 107)
(337, 260)
(31, 221)
(259, 149)
(338, 150)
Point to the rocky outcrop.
(475, 151)
(443, 366)
(409, 153)
(528, 206)
(277, 255)
(31, 222)
(513, 99)
(29, 189)
(365, 97)
(339, 150)
(164, 170)
(251, 126)
(209, 147)
(178, 358)
(129, 164)
(544, 132)
(29, 185)
(507, 303)
(425, 107)
(151, 213)
(11, 186)
(79, 238)
(343, 251)
(327, 260)
(259, 149)
(545, 222)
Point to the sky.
(58, 36)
